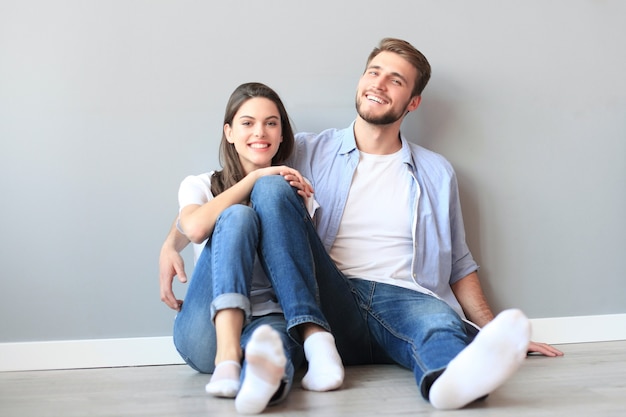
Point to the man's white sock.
(325, 371)
(495, 354)
(265, 368)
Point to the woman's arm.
(198, 221)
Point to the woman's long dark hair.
(232, 171)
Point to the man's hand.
(544, 349)
(296, 180)
(292, 176)
(171, 264)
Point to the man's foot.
(265, 368)
(325, 371)
(495, 354)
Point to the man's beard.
(387, 118)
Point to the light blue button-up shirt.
(440, 254)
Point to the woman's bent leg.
(217, 283)
(290, 265)
(233, 242)
(285, 252)
(225, 379)
(292, 249)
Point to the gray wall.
(106, 106)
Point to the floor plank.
(590, 380)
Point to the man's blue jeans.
(373, 322)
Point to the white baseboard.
(580, 329)
(93, 353)
(144, 351)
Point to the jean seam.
(393, 331)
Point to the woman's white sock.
(225, 380)
(325, 372)
(265, 368)
(495, 354)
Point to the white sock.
(265, 368)
(325, 371)
(495, 354)
(225, 380)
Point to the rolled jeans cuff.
(231, 300)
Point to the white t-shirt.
(196, 189)
(381, 251)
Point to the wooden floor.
(590, 380)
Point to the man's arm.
(171, 264)
(470, 295)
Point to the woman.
(230, 302)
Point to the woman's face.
(256, 133)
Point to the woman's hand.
(292, 176)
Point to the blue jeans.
(198, 349)
(374, 322)
(222, 279)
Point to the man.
(400, 285)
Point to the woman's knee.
(272, 188)
(239, 215)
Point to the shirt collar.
(348, 144)
(407, 155)
(348, 141)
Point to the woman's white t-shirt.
(196, 189)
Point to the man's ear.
(414, 103)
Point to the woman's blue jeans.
(223, 274)
(372, 322)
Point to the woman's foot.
(225, 380)
(265, 368)
(325, 371)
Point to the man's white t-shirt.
(381, 251)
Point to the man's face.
(384, 90)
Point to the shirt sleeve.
(463, 262)
(311, 203)
(194, 189)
